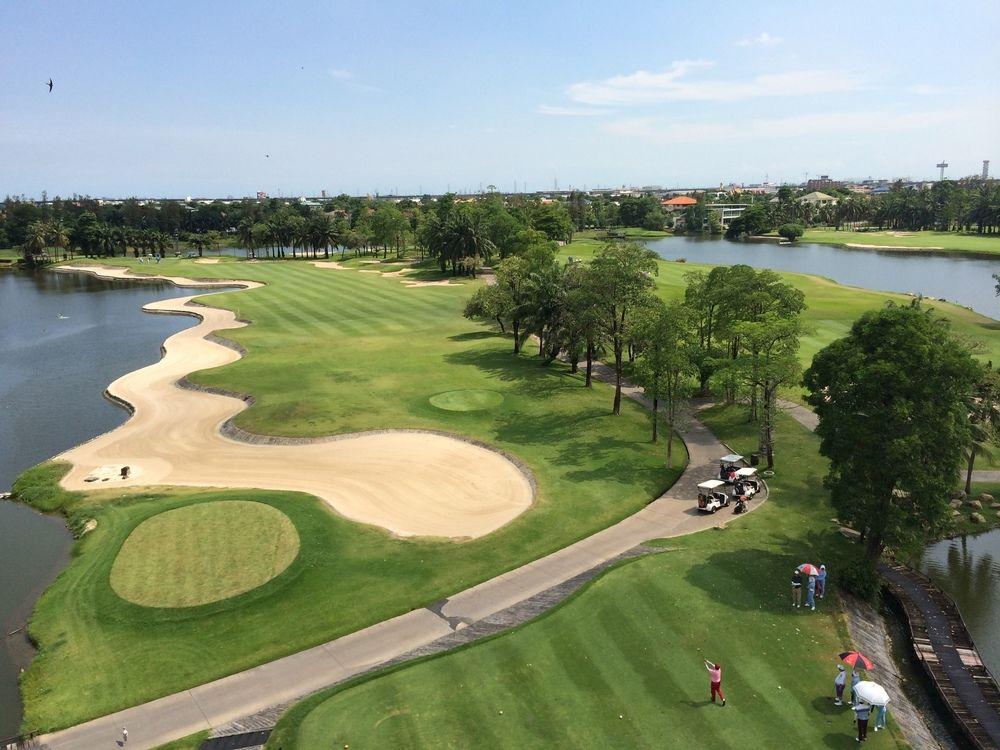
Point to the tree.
(36, 239)
(766, 361)
(892, 397)
(553, 220)
(621, 279)
(791, 232)
(512, 276)
(984, 420)
(755, 220)
(665, 368)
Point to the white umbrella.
(871, 693)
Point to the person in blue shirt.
(821, 582)
(811, 592)
(861, 713)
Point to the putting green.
(469, 399)
(203, 553)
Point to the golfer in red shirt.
(715, 674)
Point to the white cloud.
(664, 131)
(645, 87)
(545, 109)
(341, 74)
(763, 39)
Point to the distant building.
(678, 203)
(728, 211)
(822, 183)
(818, 199)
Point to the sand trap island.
(412, 483)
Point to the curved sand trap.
(410, 482)
(203, 553)
(210, 261)
(470, 399)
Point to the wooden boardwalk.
(947, 654)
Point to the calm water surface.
(53, 372)
(965, 280)
(968, 568)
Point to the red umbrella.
(855, 657)
(809, 569)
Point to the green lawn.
(620, 665)
(942, 241)
(203, 553)
(331, 352)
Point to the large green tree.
(621, 282)
(892, 400)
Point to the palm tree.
(464, 238)
(322, 233)
(984, 421)
(59, 235)
(35, 241)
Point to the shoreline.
(937, 251)
(399, 480)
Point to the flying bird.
(49, 84)
(267, 156)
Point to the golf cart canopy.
(730, 459)
(710, 485)
(744, 473)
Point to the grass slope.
(939, 241)
(332, 352)
(620, 665)
(203, 553)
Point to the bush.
(791, 232)
(862, 580)
(39, 488)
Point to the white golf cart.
(711, 497)
(746, 483)
(728, 466)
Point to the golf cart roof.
(746, 472)
(731, 458)
(711, 484)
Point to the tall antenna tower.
(942, 165)
(986, 169)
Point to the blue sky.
(186, 98)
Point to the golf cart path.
(218, 703)
(808, 419)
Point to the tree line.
(736, 331)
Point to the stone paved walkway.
(216, 704)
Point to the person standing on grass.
(821, 582)
(861, 713)
(855, 679)
(811, 593)
(838, 685)
(796, 589)
(715, 675)
(880, 716)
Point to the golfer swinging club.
(715, 674)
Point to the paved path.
(808, 419)
(949, 654)
(218, 703)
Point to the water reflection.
(968, 568)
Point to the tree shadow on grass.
(530, 377)
(753, 579)
(476, 336)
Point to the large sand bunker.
(412, 483)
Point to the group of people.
(862, 710)
(815, 588)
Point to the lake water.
(53, 372)
(968, 568)
(955, 278)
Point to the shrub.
(862, 580)
(791, 232)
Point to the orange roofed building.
(678, 203)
